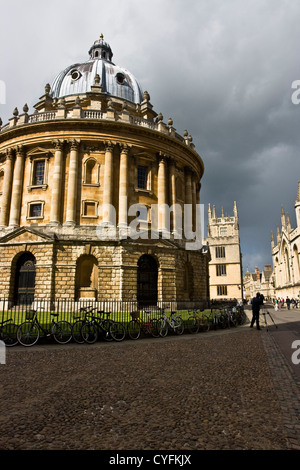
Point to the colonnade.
(13, 183)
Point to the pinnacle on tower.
(283, 222)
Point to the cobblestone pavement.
(220, 390)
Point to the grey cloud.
(222, 70)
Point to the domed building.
(87, 182)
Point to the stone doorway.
(25, 279)
(147, 281)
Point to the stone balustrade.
(95, 114)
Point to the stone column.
(194, 201)
(188, 187)
(162, 194)
(17, 188)
(108, 184)
(72, 184)
(188, 201)
(198, 187)
(173, 194)
(7, 187)
(56, 199)
(123, 186)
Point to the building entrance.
(147, 281)
(25, 279)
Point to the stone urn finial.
(97, 79)
(146, 96)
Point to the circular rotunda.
(99, 196)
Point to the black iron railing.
(70, 310)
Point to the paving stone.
(207, 391)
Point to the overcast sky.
(222, 69)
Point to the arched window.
(296, 263)
(286, 264)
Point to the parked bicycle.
(83, 318)
(100, 326)
(137, 325)
(217, 319)
(239, 314)
(174, 323)
(8, 332)
(230, 317)
(197, 321)
(29, 332)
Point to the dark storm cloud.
(223, 70)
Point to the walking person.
(256, 303)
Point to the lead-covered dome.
(79, 78)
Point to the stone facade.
(225, 267)
(88, 160)
(262, 282)
(285, 255)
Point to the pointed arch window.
(296, 263)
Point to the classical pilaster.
(162, 193)
(123, 186)
(194, 201)
(108, 184)
(72, 183)
(16, 199)
(7, 187)
(188, 187)
(173, 198)
(56, 198)
(198, 187)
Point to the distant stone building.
(225, 267)
(262, 282)
(95, 154)
(285, 255)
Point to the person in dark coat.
(256, 303)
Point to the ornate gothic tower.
(225, 267)
(285, 254)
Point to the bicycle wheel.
(178, 325)
(204, 323)
(134, 329)
(28, 333)
(104, 329)
(8, 334)
(192, 325)
(117, 331)
(62, 332)
(89, 333)
(164, 327)
(155, 328)
(223, 321)
(76, 331)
